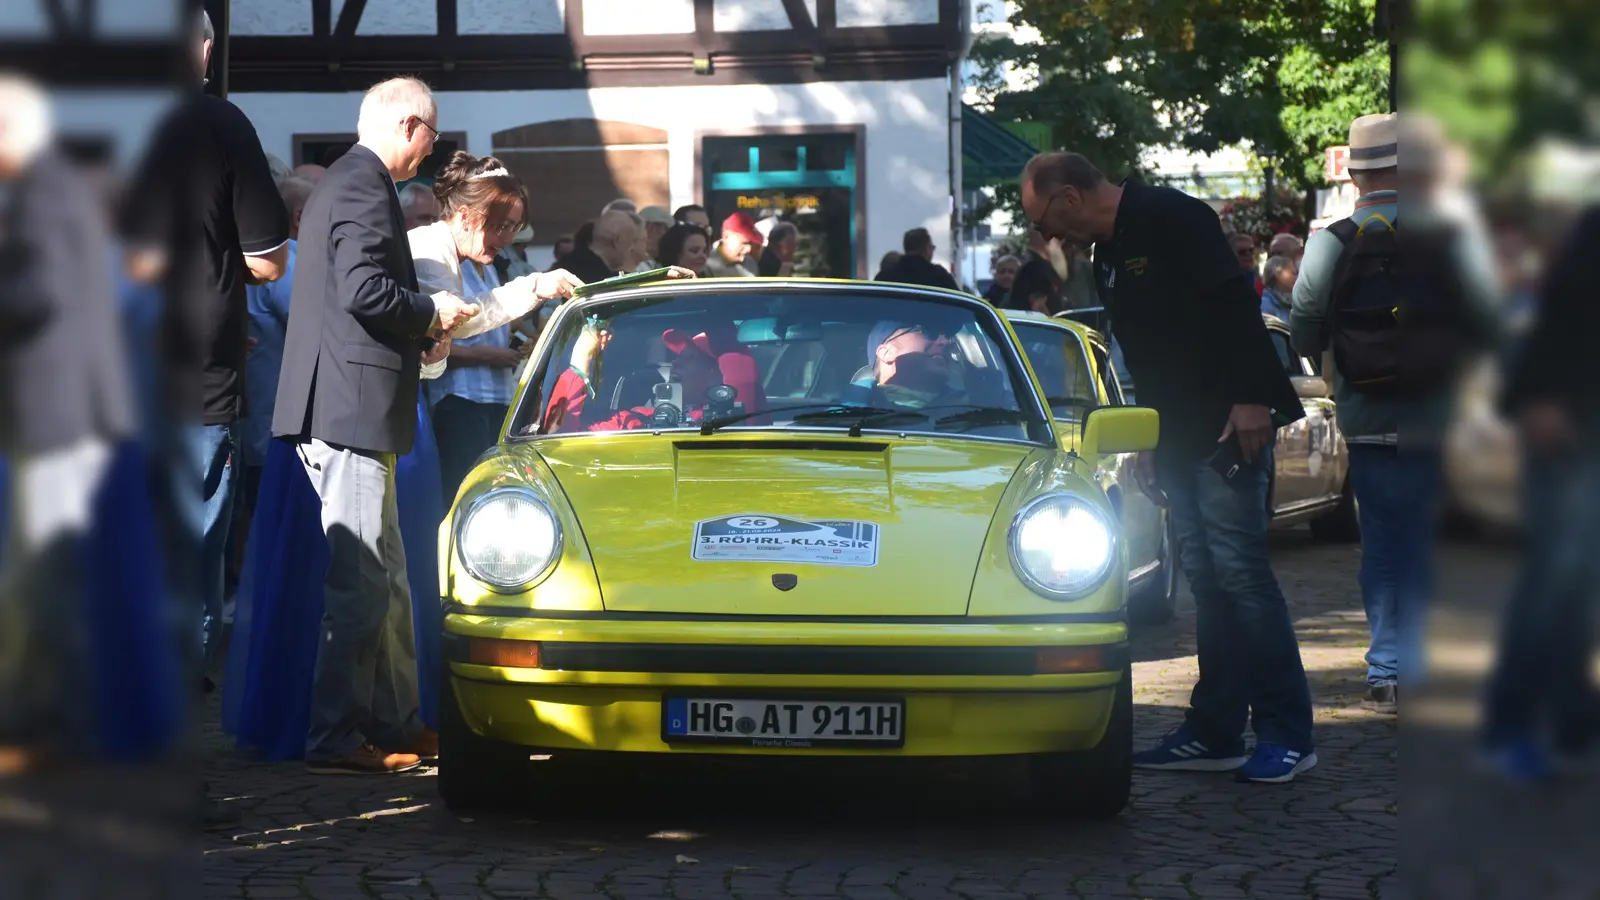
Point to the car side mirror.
(1312, 387)
(1120, 429)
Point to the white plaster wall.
(128, 117)
(511, 16)
(873, 13)
(638, 17)
(271, 17)
(754, 15)
(907, 133)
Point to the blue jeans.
(1542, 673)
(211, 450)
(1250, 669)
(1397, 495)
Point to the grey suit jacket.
(357, 323)
(64, 372)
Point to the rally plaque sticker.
(754, 537)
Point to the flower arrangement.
(1250, 215)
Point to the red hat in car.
(744, 226)
(678, 340)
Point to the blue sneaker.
(1180, 751)
(1521, 760)
(1275, 764)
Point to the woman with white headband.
(482, 206)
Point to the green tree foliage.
(1283, 77)
(1501, 75)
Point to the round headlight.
(508, 537)
(1062, 547)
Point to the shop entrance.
(808, 179)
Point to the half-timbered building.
(842, 116)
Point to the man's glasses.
(1038, 224)
(435, 131)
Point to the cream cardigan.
(433, 249)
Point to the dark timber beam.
(349, 18)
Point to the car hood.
(741, 525)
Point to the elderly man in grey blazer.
(360, 334)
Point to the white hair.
(621, 204)
(26, 123)
(389, 103)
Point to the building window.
(574, 167)
(809, 178)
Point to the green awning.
(994, 152)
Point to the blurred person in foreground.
(226, 224)
(361, 332)
(65, 401)
(730, 257)
(1394, 375)
(1190, 324)
(485, 208)
(916, 264)
(1540, 713)
(777, 257)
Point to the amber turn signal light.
(1074, 660)
(503, 653)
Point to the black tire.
(1155, 602)
(1093, 783)
(474, 772)
(1341, 525)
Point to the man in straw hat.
(1394, 396)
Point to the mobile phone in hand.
(1229, 461)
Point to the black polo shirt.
(214, 201)
(1188, 319)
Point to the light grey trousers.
(365, 686)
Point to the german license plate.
(782, 724)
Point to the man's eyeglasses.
(435, 131)
(1038, 224)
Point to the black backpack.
(1396, 317)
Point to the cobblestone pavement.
(865, 835)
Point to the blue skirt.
(278, 611)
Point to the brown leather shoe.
(364, 760)
(424, 746)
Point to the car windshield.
(1057, 357)
(834, 359)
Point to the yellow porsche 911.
(789, 518)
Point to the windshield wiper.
(981, 416)
(821, 411)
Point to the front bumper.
(969, 689)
